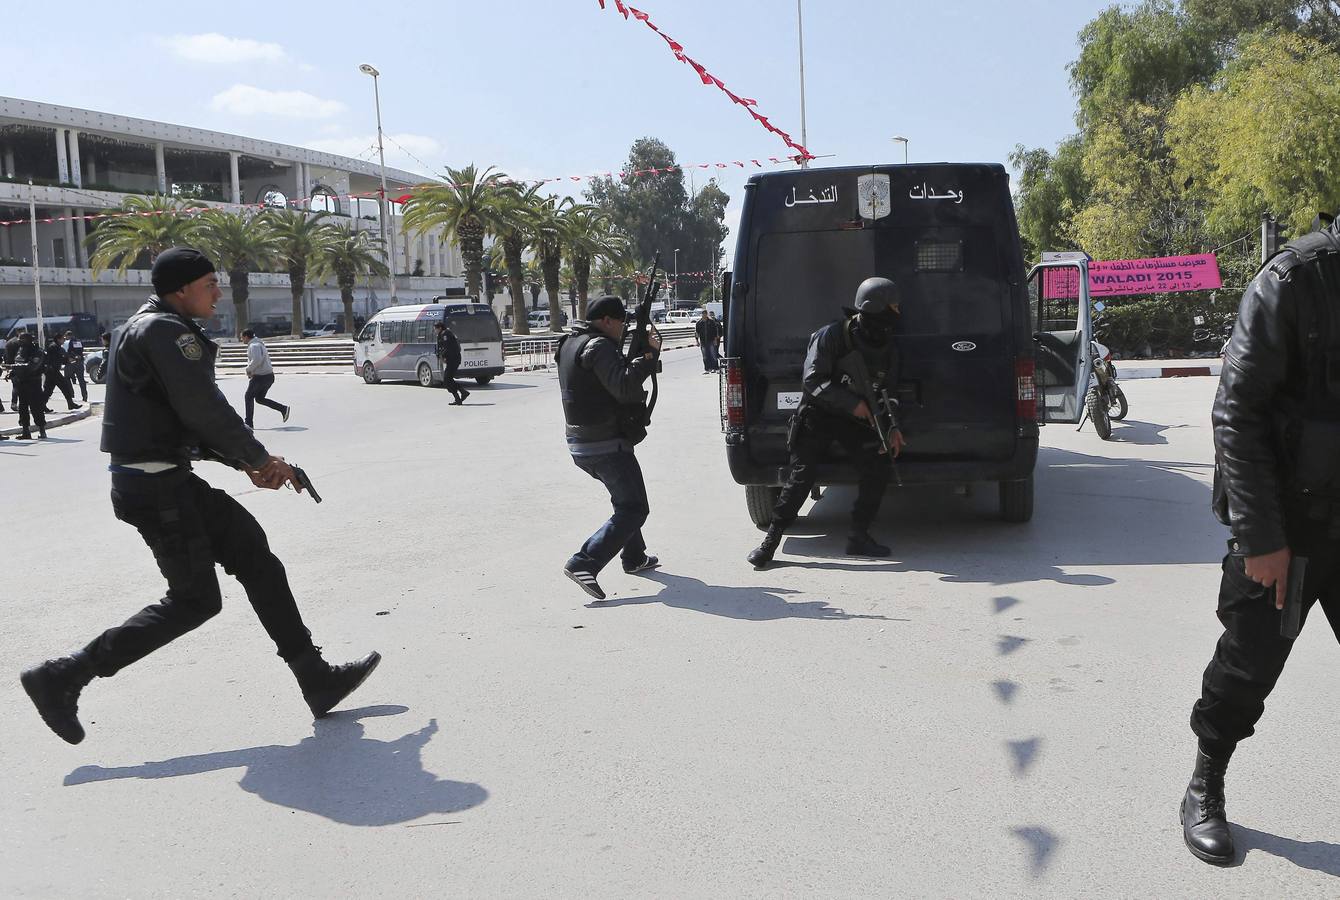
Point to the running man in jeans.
(262, 377)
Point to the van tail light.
(1026, 391)
(734, 396)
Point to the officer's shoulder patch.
(190, 347)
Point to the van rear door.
(1058, 298)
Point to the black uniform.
(74, 365)
(163, 410)
(1277, 484)
(449, 356)
(26, 366)
(55, 374)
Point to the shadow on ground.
(337, 773)
(1319, 856)
(752, 604)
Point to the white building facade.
(82, 163)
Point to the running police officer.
(603, 407)
(74, 363)
(1277, 487)
(55, 373)
(449, 358)
(25, 366)
(851, 365)
(162, 410)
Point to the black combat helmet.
(876, 307)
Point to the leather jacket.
(162, 404)
(1258, 407)
(841, 370)
(596, 379)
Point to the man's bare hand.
(862, 411)
(897, 442)
(1271, 570)
(654, 339)
(274, 475)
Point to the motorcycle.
(1104, 403)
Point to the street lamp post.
(388, 234)
(898, 139)
(674, 291)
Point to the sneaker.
(648, 562)
(586, 581)
(285, 413)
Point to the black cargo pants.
(1251, 654)
(190, 527)
(29, 403)
(812, 436)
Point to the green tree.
(239, 243)
(153, 224)
(546, 230)
(591, 236)
(461, 208)
(507, 216)
(1275, 144)
(351, 255)
(302, 238)
(1050, 190)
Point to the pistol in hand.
(301, 477)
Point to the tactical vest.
(585, 400)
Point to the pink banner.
(1124, 277)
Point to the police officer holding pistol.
(162, 410)
(851, 369)
(1277, 487)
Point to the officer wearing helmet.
(848, 364)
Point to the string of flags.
(707, 77)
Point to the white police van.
(399, 343)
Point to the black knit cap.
(607, 306)
(178, 267)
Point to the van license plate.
(788, 399)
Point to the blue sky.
(558, 88)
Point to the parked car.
(682, 316)
(539, 318)
(330, 329)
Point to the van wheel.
(483, 379)
(1016, 500)
(425, 374)
(370, 373)
(760, 499)
(1098, 413)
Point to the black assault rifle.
(885, 407)
(639, 339)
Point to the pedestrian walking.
(449, 357)
(602, 395)
(54, 362)
(260, 378)
(1277, 488)
(849, 365)
(74, 363)
(25, 369)
(707, 335)
(161, 402)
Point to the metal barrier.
(538, 354)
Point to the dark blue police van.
(969, 388)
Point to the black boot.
(323, 685)
(860, 543)
(1204, 822)
(761, 555)
(54, 687)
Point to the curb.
(1126, 374)
(73, 415)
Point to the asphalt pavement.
(995, 711)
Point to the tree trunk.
(550, 266)
(516, 277)
(241, 290)
(581, 272)
(471, 237)
(297, 280)
(347, 296)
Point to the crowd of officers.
(1276, 423)
(36, 372)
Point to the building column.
(76, 170)
(9, 162)
(71, 253)
(62, 158)
(161, 165)
(233, 157)
(81, 236)
(92, 171)
(297, 180)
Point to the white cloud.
(245, 100)
(220, 49)
(413, 152)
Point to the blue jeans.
(711, 361)
(622, 477)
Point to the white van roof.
(422, 310)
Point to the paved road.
(995, 711)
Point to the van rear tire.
(482, 380)
(760, 499)
(1016, 500)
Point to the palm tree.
(349, 255)
(506, 216)
(240, 244)
(460, 207)
(546, 220)
(302, 238)
(155, 223)
(590, 235)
